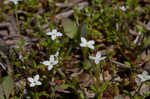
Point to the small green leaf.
(82, 96)
(65, 86)
(118, 97)
(70, 28)
(127, 63)
(125, 43)
(7, 86)
(104, 86)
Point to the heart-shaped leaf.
(70, 28)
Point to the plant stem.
(18, 26)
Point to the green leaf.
(82, 96)
(123, 40)
(7, 86)
(1, 93)
(118, 97)
(43, 93)
(104, 86)
(65, 86)
(70, 28)
(140, 28)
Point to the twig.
(70, 4)
(2, 66)
(8, 27)
(120, 65)
(133, 32)
(137, 39)
(61, 73)
(70, 12)
(143, 24)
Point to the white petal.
(55, 62)
(143, 80)
(59, 34)
(91, 57)
(96, 61)
(32, 84)
(57, 53)
(49, 33)
(91, 42)
(46, 63)
(38, 83)
(145, 73)
(53, 37)
(148, 77)
(36, 77)
(51, 59)
(123, 8)
(82, 44)
(50, 67)
(83, 40)
(91, 46)
(102, 58)
(54, 31)
(30, 79)
(98, 54)
(139, 76)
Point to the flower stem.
(16, 14)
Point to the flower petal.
(32, 84)
(98, 54)
(38, 83)
(102, 58)
(49, 33)
(83, 40)
(54, 31)
(59, 34)
(96, 61)
(30, 79)
(57, 53)
(51, 59)
(55, 62)
(145, 73)
(91, 57)
(36, 77)
(50, 67)
(91, 42)
(82, 44)
(46, 63)
(91, 46)
(53, 37)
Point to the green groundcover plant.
(95, 49)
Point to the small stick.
(70, 12)
(70, 4)
(120, 65)
(143, 24)
(3, 66)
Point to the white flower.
(54, 34)
(144, 76)
(34, 81)
(57, 53)
(123, 8)
(15, 1)
(51, 62)
(85, 43)
(97, 58)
